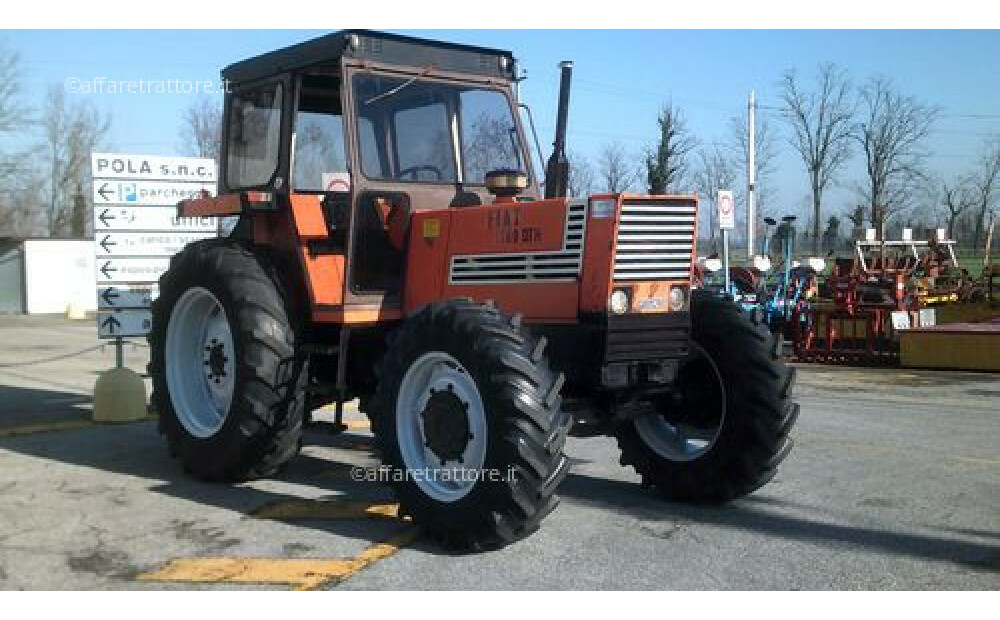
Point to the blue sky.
(621, 78)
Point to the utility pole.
(751, 173)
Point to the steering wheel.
(413, 170)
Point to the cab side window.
(254, 136)
(319, 163)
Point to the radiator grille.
(655, 240)
(548, 266)
(647, 336)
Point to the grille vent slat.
(563, 265)
(654, 241)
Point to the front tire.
(464, 388)
(725, 436)
(227, 385)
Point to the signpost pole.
(727, 221)
(119, 353)
(725, 257)
(751, 173)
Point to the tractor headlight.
(678, 298)
(619, 302)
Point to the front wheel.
(725, 429)
(468, 422)
(227, 384)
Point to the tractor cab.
(356, 131)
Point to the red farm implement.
(885, 287)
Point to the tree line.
(825, 121)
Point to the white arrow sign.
(150, 218)
(119, 323)
(151, 167)
(122, 296)
(146, 192)
(136, 230)
(130, 269)
(144, 243)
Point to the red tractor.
(394, 246)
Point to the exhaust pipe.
(557, 169)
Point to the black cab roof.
(379, 47)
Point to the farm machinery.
(774, 291)
(396, 248)
(886, 286)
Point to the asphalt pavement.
(894, 483)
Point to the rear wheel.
(468, 421)
(227, 384)
(726, 430)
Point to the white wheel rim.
(679, 441)
(445, 480)
(200, 361)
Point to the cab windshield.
(432, 132)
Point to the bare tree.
(22, 203)
(201, 128)
(713, 171)
(581, 175)
(19, 188)
(72, 132)
(891, 133)
(615, 170)
(667, 165)
(957, 196)
(984, 183)
(13, 112)
(821, 130)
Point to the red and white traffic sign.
(727, 211)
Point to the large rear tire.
(227, 384)
(464, 388)
(727, 431)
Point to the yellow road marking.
(62, 425)
(290, 510)
(860, 447)
(301, 573)
(30, 429)
(863, 447)
(977, 460)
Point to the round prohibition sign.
(726, 204)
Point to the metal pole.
(119, 353)
(725, 256)
(751, 172)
